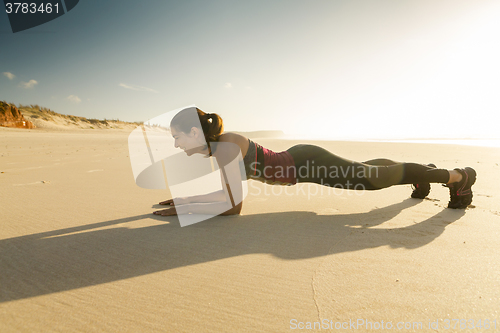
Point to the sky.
(356, 69)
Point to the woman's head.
(185, 127)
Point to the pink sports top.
(269, 167)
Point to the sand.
(81, 251)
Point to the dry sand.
(80, 250)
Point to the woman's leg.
(317, 165)
(420, 190)
(380, 161)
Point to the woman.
(301, 163)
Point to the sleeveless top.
(269, 167)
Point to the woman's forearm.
(217, 196)
(213, 208)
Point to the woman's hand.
(166, 212)
(179, 201)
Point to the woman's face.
(192, 142)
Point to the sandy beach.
(81, 251)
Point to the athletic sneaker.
(420, 191)
(461, 192)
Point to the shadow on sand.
(78, 257)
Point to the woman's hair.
(211, 123)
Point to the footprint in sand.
(35, 183)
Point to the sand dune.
(44, 118)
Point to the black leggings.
(317, 165)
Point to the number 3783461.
(31, 8)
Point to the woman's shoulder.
(236, 138)
(232, 137)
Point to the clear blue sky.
(333, 69)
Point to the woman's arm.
(210, 197)
(214, 208)
(230, 204)
(227, 201)
(216, 196)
